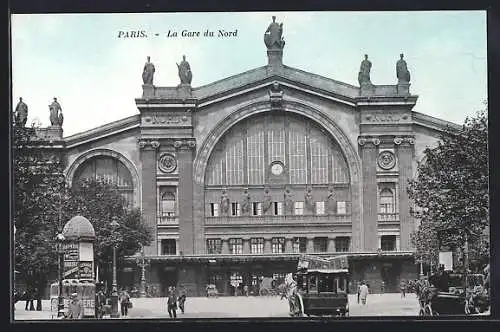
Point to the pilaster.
(148, 149)
(405, 151)
(368, 147)
(184, 150)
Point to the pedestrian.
(359, 291)
(245, 290)
(75, 309)
(124, 302)
(172, 305)
(382, 287)
(100, 301)
(182, 298)
(402, 288)
(363, 292)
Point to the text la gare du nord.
(174, 33)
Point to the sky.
(95, 75)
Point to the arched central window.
(244, 155)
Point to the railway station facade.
(237, 178)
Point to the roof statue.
(273, 36)
(148, 72)
(56, 117)
(21, 113)
(185, 73)
(402, 72)
(364, 71)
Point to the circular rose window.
(386, 160)
(167, 163)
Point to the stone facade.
(168, 147)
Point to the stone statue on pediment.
(309, 201)
(364, 71)
(148, 72)
(288, 202)
(224, 202)
(273, 37)
(402, 72)
(246, 203)
(21, 113)
(185, 73)
(331, 200)
(56, 117)
(267, 204)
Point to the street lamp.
(114, 291)
(143, 263)
(60, 252)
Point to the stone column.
(288, 245)
(405, 151)
(267, 246)
(398, 243)
(185, 168)
(177, 249)
(246, 245)
(310, 245)
(369, 170)
(331, 244)
(148, 160)
(380, 242)
(225, 246)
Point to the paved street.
(241, 307)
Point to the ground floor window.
(388, 242)
(299, 245)
(168, 247)
(214, 246)
(342, 243)
(235, 246)
(320, 244)
(257, 245)
(215, 279)
(279, 278)
(278, 245)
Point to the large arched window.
(244, 155)
(110, 169)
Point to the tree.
(451, 191)
(100, 201)
(37, 180)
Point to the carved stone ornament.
(398, 140)
(167, 163)
(142, 144)
(386, 160)
(155, 144)
(177, 144)
(361, 141)
(191, 144)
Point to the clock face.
(277, 169)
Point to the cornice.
(103, 131)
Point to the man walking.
(182, 298)
(359, 286)
(172, 304)
(363, 292)
(124, 302)
(402, 288)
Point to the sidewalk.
(243, 307)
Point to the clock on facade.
(277, 168)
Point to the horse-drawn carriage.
(448, 296)
(319, 287)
